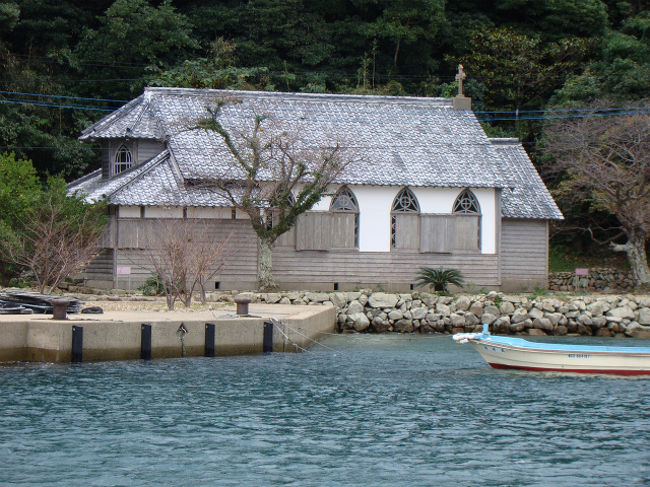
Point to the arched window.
(404, 221)
(467, 219)
(466, 203)
(345, 220)
(123, 160)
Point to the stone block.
(462, 303)
(355, 307)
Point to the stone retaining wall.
(367, 311)
(598, 279)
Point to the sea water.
(388, 410)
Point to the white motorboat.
(516, 353)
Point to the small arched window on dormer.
(405, 221)
(467, 222)
(345, 219)
(123, 160)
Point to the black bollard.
(145, 342)
(77, 344)
(209, 339)
(267, 344)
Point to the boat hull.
(504, 356)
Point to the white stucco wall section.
(487, 199)
(374, 216)
(129, 212)
(375, 205)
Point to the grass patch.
(561, 259)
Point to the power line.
(513, 114)
(52, 105)
(62, 96)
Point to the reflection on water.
(380, 410)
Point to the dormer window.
(123, 160)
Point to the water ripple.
(381, 410)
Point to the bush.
(439, 278)
(153, 286)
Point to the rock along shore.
(379, 312)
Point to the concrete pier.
(116, 335)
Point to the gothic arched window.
(123, 160)
(466, 203)
(345, 222)
(467, 219)
(404, 221)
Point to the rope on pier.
(278, 322)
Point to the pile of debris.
(23, 302)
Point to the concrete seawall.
(117, 335)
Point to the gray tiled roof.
(154, 183)
(526, 195)
(401, 141)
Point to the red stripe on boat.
(578, 371)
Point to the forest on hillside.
(67, 63)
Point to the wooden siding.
(313, 231)
(146, 149)
(524, 249)
(407, 230)
(382, 268)
(466, 232)
(100, 268)
(344, 266)
(436, 233)
(240, 254)
(342, 230)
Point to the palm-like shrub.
(439, 278)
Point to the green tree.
(56, 236)
(518, 68)
(219, 71)
(19, 189)
(132, 36)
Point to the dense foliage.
(46, 235)
(520, 55)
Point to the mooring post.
(209, 339)
(242, 305)
(59, 308)
(267, 344)
(145, 341)
(77, 344)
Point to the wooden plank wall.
(436, 233)
(148, 149)
(377, 267)
(524, 249)
(240, 254)
(101, 267)
(307, 266)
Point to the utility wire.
(527, 114)
(62, 96)
(52, 105)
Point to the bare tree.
(607, 159)
(184, 258)
(277, 177)
(57, 237)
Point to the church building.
(432, 190)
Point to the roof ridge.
(152, 90)
(153, 162)
(504, 140)
(123, 110)
(84, 178)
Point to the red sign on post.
(582, 272)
